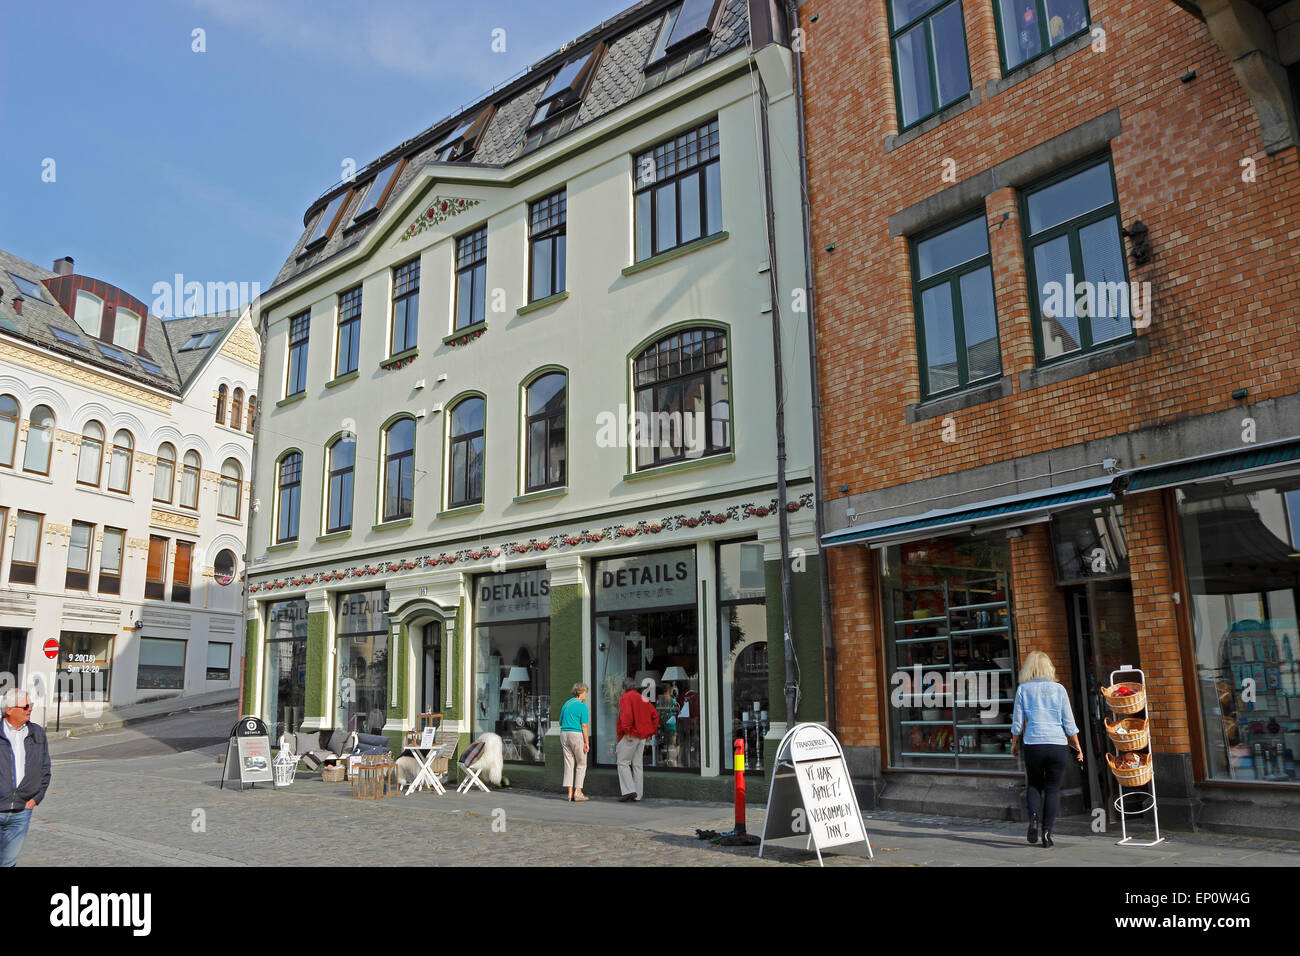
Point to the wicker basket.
(335, 774)
(1125, 705)
(1135, 736)
(1132, 777)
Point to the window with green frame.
(1030, 28)
(957, 321)
(931, 70)
(1075, 257)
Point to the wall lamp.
(1138, 242)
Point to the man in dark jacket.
(24, 772)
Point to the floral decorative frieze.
(465, 338)
(567, 539)
(393, 364)
(438, 211)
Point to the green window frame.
(1032, 37)
(912, 36)
(466, 444)
(952, 282)
(1091, 238)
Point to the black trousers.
(1044, 768)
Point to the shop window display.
(87, 663)
(646, 628)
(284, 683)
(1242, 552)
(742, 620)
(950, 653)
(512, 655)
(361, 690)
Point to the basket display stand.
(1136, 800)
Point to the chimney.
(63, 267)
(18, 304)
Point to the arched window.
(466, 454)
(88, 312)
(683, 408)
(289, 484)
(237, 409)
(545, 432)
(399, 469)
(40, 435)
(164, 474)
(9, 413)
(191, 468)
(338, 502)
(252, 412)
(91, 455)
(231, 485)
(119, 469)
(221, 404)
(126, 329)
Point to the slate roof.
(162, 340)
(619, 79)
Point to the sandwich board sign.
(811, 793)
(249, 749)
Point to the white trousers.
(630, 772)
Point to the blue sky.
(168, 160)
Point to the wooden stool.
(375, 781)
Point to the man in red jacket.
(638, 721)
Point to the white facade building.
(125, 447)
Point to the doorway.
(1103, 637)
(13, 643)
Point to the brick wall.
(1226, 272)
(1038, 604)
(854, 588)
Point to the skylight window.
(462, 143)
(692, 23)
(378, 190)
(29, 289)
(149, 366)
(564, 91)
(68, 338)
(325, 224)
(115, 354)
(200, 340)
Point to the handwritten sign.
(828, 799)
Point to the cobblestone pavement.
(165, 809)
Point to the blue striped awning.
(1031, 504)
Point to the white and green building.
(521, 423)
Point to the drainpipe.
(791, 663)
(828, 637)
(252, 480)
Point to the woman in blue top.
(575, 724)
(1042, 716)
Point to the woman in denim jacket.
(1042, 717)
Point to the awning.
(1206, 467)
(1027, 506)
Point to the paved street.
(148, 795)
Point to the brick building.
(1056, 275)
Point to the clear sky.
(168, 160)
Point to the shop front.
(284, 678)
(361, 661)
(512, 654)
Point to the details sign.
(647, 581)
(518, 596)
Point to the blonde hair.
(1037, 666)
(579, 689)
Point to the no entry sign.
(52, 648)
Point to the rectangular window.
(27, 548)
(79, 543)
(929, 45)
(678, 195)
(957, 327)
(155, 575)
(181, 570)
(284, 681)
(218, 662)
(1029, 28)
(378, 190)
(547, 220)
(110, 561)
(362, 661)
(742, 629)
(512, 656)
(325, 224)
(87, 663)
(406, 307)
(1078, 276)
(162, 664)
(299, 326)
(471, 278)
(349, 339)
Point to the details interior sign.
(662, 579)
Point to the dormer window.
(89, 312)
(693, 24)
(126, 329)
(378, 190)
(325, 222)
(565, 89)
(461, 144)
